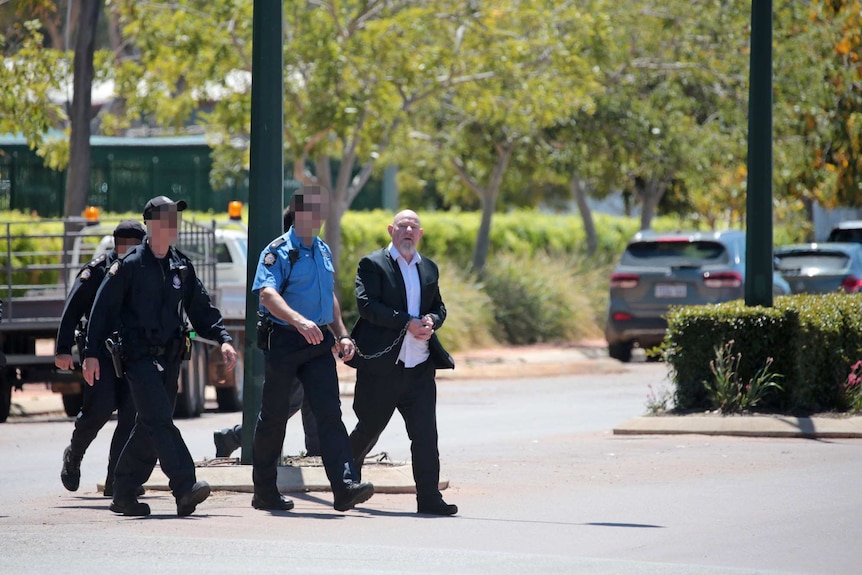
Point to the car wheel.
(621, 351)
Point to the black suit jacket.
(382, 301)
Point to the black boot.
(130, 507)
(188, 502)
(227, 440)
(352, 495)
(70, 475)
(438, 507)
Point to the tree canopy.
(481, 104)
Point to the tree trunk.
(489, 204)
(332, 234)
(651, 194)
(483, 238)
(78, 178)
(580, 196)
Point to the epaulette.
(278, 241)
(96, 261)
(87, 270)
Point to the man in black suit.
(400, 309)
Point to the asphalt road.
(542, 484)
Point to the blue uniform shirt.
(312, 280)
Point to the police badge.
(114, 268)
(176, 281)
(269, 259)
(85, 274)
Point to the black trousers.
(289, 358)
(108, 394)
(298, 402)
(413, 392)
(154, 436)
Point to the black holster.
(80, 342)
(264, 331)
(115, 348)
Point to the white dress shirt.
(413, 351)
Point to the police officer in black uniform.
(110, 392)
(148, 290)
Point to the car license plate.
(670, 290)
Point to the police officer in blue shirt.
(111, 392)
(229, 439)
(302, 325)
(147, 291)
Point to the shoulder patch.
(85, 274)
(277, 242)
(114, 267)
(269, 259)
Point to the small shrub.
(659, 401)
(538, 300)
(727, 392)
(852, 388)
(469, 311)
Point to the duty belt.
(289, 327)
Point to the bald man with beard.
(398, 353)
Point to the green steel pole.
(266, 184)
(758, 250)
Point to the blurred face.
(165, 225)
(406, 233)
(310, 210)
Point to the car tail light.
(622, 316)
(851, 284)
(624, 281)
(722, 279)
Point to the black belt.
(289, 327)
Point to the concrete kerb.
(745, 426)
(226, 474)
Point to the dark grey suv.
(659, 270)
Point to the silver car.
(821, 267)
(659, 270)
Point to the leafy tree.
(818, 102)
(353, 74)
(530, 52)
(29, 75)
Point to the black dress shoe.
(187, 502)
(130, 507)
(352, 495)
(276, 503)
(70, 475)
(437, 508)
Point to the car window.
(222, 253)
(675, 253)
(846, 235)
(808, 260)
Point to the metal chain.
(388, 349)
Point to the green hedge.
(813, 340)
(539, 286)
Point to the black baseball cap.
(158, 202)
(131, 229)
